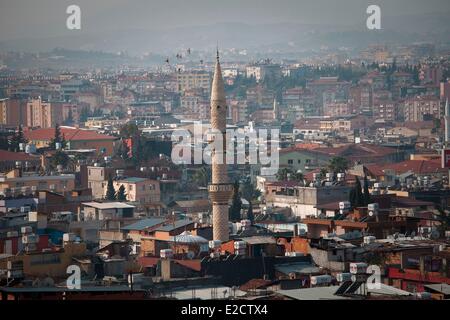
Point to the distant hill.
(283, 36)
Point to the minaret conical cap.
(217, 89)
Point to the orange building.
(76, 139)
(12, 112)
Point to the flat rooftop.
(108, 205)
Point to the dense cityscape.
(103, 194)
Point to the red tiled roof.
(353, 150)
(329, 206)
(410, 202)
(309, 146)
(255, 284)
(152, 261)
(417, 166)
(148, 261)
(70, 134)
(375, 170)
(310, 175)
(195, 265)
(418, 125)
(15, 156)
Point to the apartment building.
(16, 182)
(43, 114)
(386, 110)
(98, 180)
(140, 190)
(421, 108)
(12, 112)
(194, 80)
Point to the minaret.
(447, 125)
(220, 190)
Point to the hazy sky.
(46, 18)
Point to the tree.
(69, 119)
(17, 139)
(129, 130)
(416, 75)
(4, 143)
(444, 219)
(234, 212)
(110, 191)
(248, 190)
(323, 173)
(63, 141)
(298, 176)
(338, 164)
(58, 139)
(366, 195)
(121, 195)
(123, 151)
(84, 114)
(356, 195)
(284, 174)
(139, 152)
(250, 215)
(59, 159)
(202, 176)
(97, 112)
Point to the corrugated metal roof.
(317, 293)
(171, 226)
(302, 268)
(143, 224)
(439, 287)
(108, 205)
(193, 203)
(132, 180)
(259, 240)
(386, 290)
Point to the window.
(299, 161)
(290, 161)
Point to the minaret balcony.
(220, 193)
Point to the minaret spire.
(447, 124)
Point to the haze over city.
(252, 153)
(139, 26)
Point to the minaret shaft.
(220, 189)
